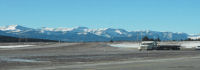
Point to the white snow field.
(126, 45)
(15, 46)
(190, 44)
(184, 44)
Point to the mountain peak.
(81, 28)
(11, 27)
(86, 34)
(15, 28)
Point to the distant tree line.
(149, 39)
(145, 38)
(15, 39)
(189, 39)
(158, 39)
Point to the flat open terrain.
(94, 56)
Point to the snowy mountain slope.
(84, 34)
(14, 28)
(194, 37)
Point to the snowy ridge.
(194, 37)
(84, 34)
(14, 28)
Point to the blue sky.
(158, 15)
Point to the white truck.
(197, 48)
(153, 45)
(148, 45)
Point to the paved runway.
(96, 56)
(187, 63)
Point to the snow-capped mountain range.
(194, 37)
(84, 34)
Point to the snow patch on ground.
(15, 46)
(22, 60)
(190, 44)
(187, 44)
(16, 60)
(126, 45)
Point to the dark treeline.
(192, 39)
(15, 39)
(148, 39)
(145, 38)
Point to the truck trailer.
(153, 45)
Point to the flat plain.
(94, 56)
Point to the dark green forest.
(15, 39)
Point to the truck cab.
(197, 48)
(148, 45)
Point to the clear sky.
(158, 15)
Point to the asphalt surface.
(95, 56)
(187, 63)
